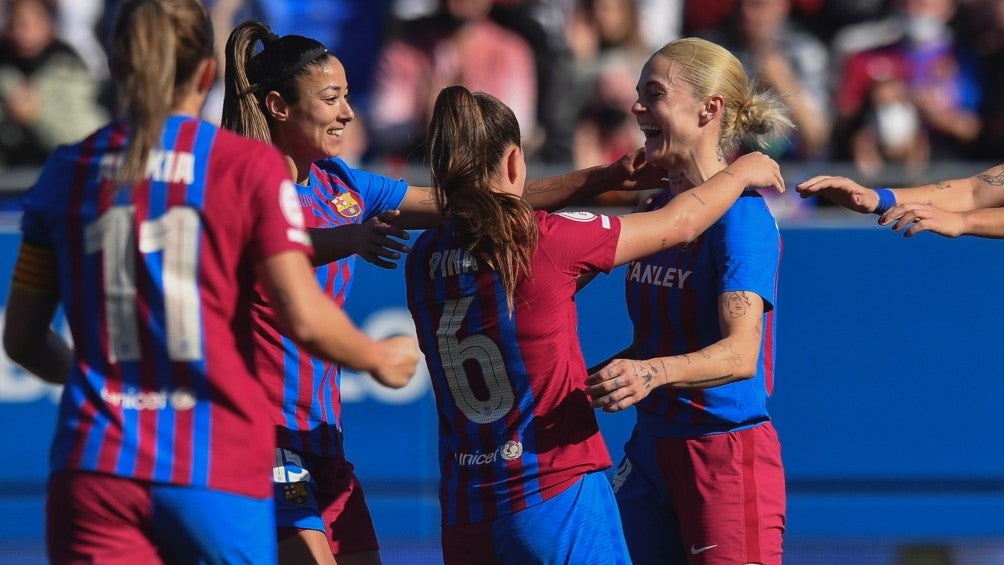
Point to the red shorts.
(97, 518)
(715, 499)
(332, 500)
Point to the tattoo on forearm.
(757, 331)
(994, 180)
(547, 185)
(698, 199)
(942, 185)
(705, 353)
(734, 359)
(736, 303)
(714, 381)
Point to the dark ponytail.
(469, 134)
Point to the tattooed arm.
(624, 382)
(687, 216)
(983, 190)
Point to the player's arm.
(735, 357)
(689, 214)
(912, 219)
(983, 190)
(374, 241)
(28, 338)
(630, 172)
(324, 330)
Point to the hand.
(757, 169)
(638, 174)
(374, 243)
(622, 383)
(399, 357)
(841, 191)
(924, 217)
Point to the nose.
(637, 107)
(347, 113)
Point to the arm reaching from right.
(983, 190)
(689, 214)
(323, 329)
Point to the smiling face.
(667, 112)
(317, 120)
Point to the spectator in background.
(891, 132)
(986, 19)
(458, 44)
(47, 95)
(607, 47)
(782, 56)
(605, 128)
(941, 76)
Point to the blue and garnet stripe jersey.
(156, 279)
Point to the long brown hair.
(250, 74)
(468, 137)
(156, 49)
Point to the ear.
(513, 162)
(276, 106)
(713, 107)
(207, 76)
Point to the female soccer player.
(293, 93)
(968, 206)
(701, 480)
(491, 292)
(150, 233)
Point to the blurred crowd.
(870, 82)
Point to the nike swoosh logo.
(694, 550)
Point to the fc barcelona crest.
(346, 205)
(295, 493)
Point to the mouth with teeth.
(337, 132)
(650, 131)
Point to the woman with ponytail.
(702, 479)
(491, 292)
(150, 234)
(292, 92)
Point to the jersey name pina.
(515, 423)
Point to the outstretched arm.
(372, 240)
(630, 172)
(625, 382)
(689, 214)
(983, 190)
(912, 219)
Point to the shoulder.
(750, 212)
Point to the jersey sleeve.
(39, 203)
(379, 193)
(577, 242)
(747, 249)
(279, 223)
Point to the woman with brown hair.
(151, 233)
(491, 291)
